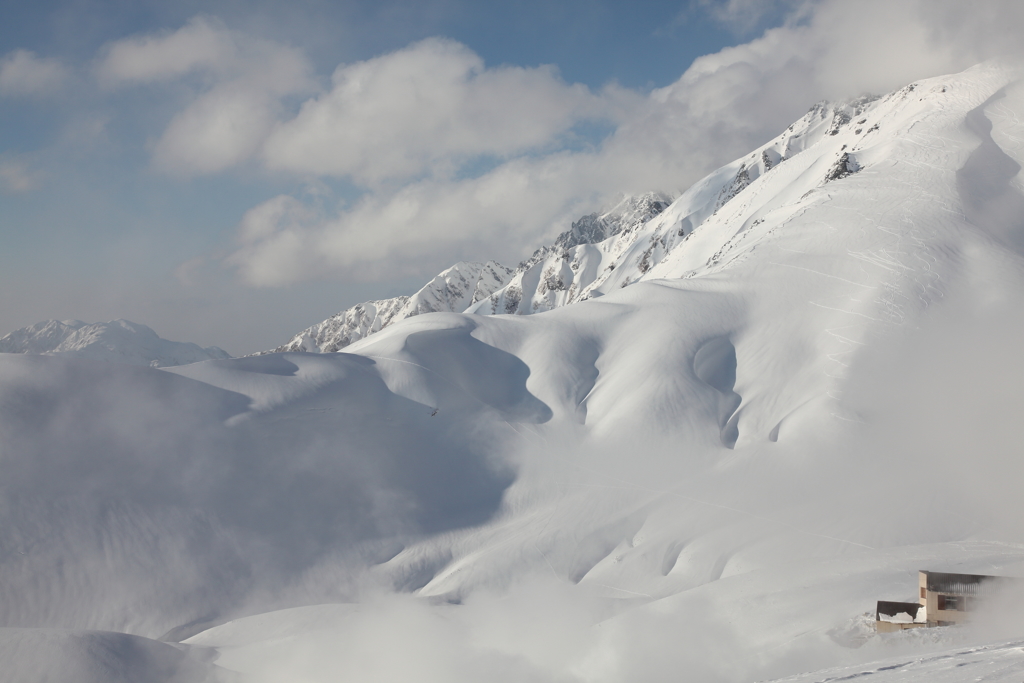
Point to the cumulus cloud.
(202, 44)
(409, 112)
(425, 109)
(240, 80)
(217, 131)
(22, 73)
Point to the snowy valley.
(693, 439)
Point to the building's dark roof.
(891, 609)
(960, 584)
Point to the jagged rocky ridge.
(555, 275)
(601, 251)
(467, 285)
(118, 341)
(580, 271)
(453, 291)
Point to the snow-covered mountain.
(600, 251)
(470, 286)
(576, 270)
(452, 291)
(119, 341)
(559, 274)
(798, 385)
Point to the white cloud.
(842, 48)
(241, 81)
(222, 128)
(423, 110)
(201, 45)
(430, 222)
(23, 73)
(277, 239)
(415, 110)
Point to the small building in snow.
(944, 599)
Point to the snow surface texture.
(1001, 662)
(118, 341)
(807, 390)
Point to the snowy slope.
(119, 341)
(453, 291)
(999, 662)
(712, 473)
(745, 336)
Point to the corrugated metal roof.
(961, 584)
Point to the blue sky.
(592, 41)
(229, 173)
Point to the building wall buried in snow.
(944, 600)
(950, 598)
(896, 616)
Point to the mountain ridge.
(579, 262)
(452, 290)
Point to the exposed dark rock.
(844, 166)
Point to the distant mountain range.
(118, 341)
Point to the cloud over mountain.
(424, 112)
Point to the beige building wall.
(930, 600)
(889, 627)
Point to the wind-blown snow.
(798, 385)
